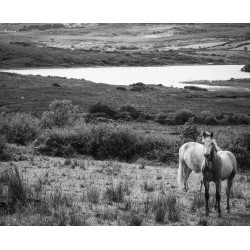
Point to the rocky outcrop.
(246, 68)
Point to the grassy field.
(123, 44)
(81, 190)
(87, 192)
(34, 93)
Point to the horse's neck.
(215, 158)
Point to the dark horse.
(217, 166)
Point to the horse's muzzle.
(207, 155)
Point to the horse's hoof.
(219, 215)
(228, 211)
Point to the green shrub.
(121, 88)
(182, 116)
(243, 119)
(56, 142)
(14, 152)
(105, 141)
(60, 114)
(19, 128)
(206, 117)
(235, 119)
(241, 149)
(102, 108)
(189, 131)
(161, 119)
(239, 145)
(131, 110)
(110, 142)
(2, 147)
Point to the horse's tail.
(181, 174)
(181, 170)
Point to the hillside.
(34, 93)
(68, 45)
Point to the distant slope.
(34, 93)
(70, 45)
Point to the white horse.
(217, 167)
(191, 158)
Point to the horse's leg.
(187, 173)
(229, 185)
(218, 196)
(206, 184)
(201, 184)
(215, 205)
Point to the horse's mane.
(216, 146)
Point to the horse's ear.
(204, 134)
(211, 134)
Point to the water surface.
(166, 75)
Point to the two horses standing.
(214, 164)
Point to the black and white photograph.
(124, 123)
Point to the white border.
(112, 11)
(99, 11)
(202, 238)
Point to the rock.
(246, 68)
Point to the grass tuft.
(93, 195)
(115, 193)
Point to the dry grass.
(93, 196)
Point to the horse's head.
(208, 143)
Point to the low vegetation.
(66, 131)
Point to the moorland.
(75, 152)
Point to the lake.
(166, 75)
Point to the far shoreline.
(119, 66)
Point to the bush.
(55, 142)
(243, 119)
(190, 131)
(131, 110)
(2, 147)
(241, 149)
(207, 117)
(19, 128)
(182, 116)
(235, 119)
(60, 114)
(161, 119)
(102, 108)
(239, 145)
(13, 152)
(121, 88)
(56, 84)
(106, 141)
(110, 142)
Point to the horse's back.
(192, 154)
(229, 163)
